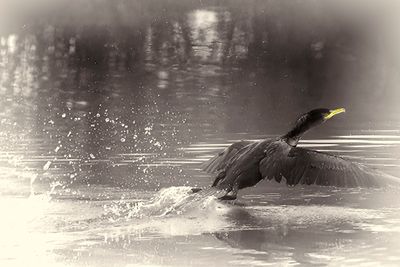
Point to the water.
(107, 111)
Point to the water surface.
(108, 110)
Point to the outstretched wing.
(219, 161)
(303, 166)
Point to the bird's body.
(243, 167)
(245, 163)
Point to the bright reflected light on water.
(23, 233)
(203, 19)
(204, 32)
(12, 43)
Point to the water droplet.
(157, 144)
(47, 165)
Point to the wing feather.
(303, 166)
(221, 160)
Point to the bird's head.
(316, 117)
(309, 120)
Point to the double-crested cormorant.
(245, 163)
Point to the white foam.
(172, 211)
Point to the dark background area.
(91, 84)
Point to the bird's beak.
(334, 112)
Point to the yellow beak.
(334, 112)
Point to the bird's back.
(242, 167)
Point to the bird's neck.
(294, 135)
(291, 141)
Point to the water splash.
(171, 211)
(32, 181)
(167, 202)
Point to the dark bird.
(245, 163)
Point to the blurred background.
(103, 99)
(99, 80)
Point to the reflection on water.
(104, 103)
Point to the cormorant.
(245, 163)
